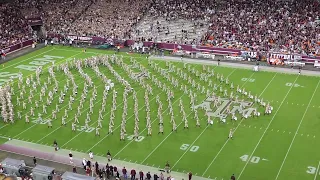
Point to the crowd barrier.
(190, 48)
(17, 46)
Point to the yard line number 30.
(312, 170)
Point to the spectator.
(190, 175)
(74, 169)
(115, 169)
(109, 156)
(84, 163)
(148, 176)
(161, 176)
(133, 174)
(111, 170)
(233, 177)
(155, 177)
(124, 172)
(141, 175)
(34, 161)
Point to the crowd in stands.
(181, 9)
(13, 28)
(262, 25)
(266, 25)
(112, 19)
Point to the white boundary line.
(235, 130)
(267, 127)
(171, 133)
(294, 137)
(317, 171)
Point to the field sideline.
(283, 145)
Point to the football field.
(281, 145)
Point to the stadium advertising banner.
(17, 46)
(35, 21)
(190, 48)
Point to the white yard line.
(103, 116)
(114, 129)
(205, 130)
(170, 134)
(267, 128)
(46, 117)
(131, 140)
(146, 128)
(234, 130)
(317, 171)
(6, 67)
(72, 119)
(294, 137)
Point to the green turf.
(282, 145)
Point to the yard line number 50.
(185, 147)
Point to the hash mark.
(278, 131)
(196, 174)
(313, 106)
(255, 127)
(314, 136)
(208, 176)
(301, 134)
(183, 171)
(289, 132)
(271, 129)
(130, 160)
(135, 162)
(261, 128)
(76, 149)
(308, 135)
(249, 126)
(124, 159)
(284, 131)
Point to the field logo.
(225, 102)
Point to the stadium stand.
(12, 26)
(174, 21)
(284, 26)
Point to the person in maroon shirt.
(124, 172)
(190, 175)
(133, 174)
(141, 175)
